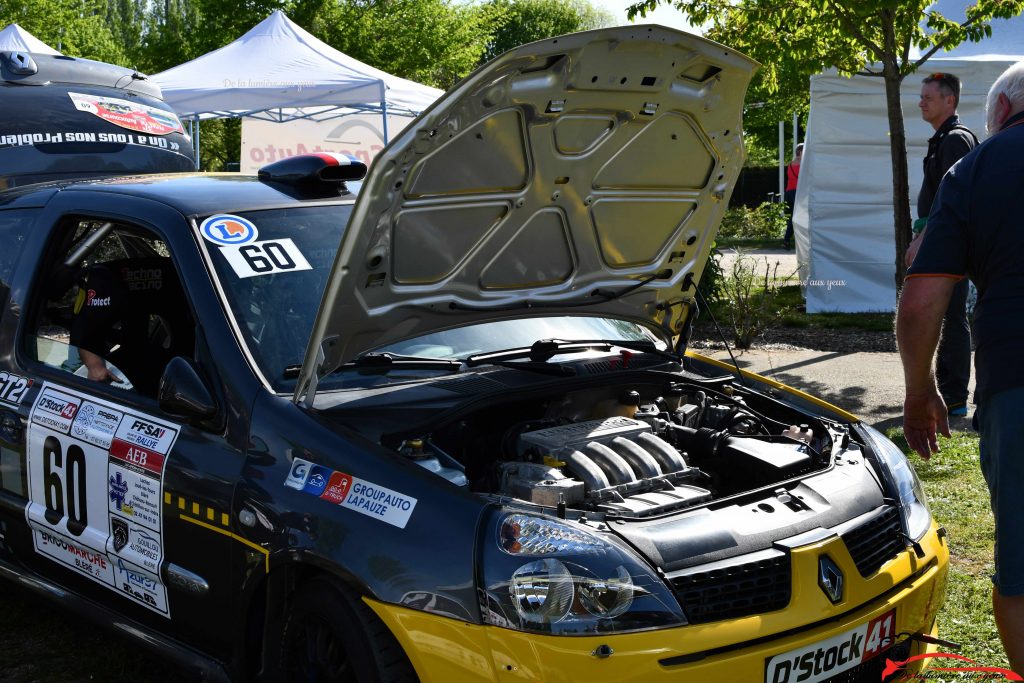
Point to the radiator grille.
(736, 590)
(875, 542)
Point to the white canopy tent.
(15, 38)
(843, 217)
(280, 72)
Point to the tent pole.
(782, 160)
(195, 139)
(384, 111)
(796, 132)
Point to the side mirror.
(184, 393)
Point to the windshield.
(274, 280)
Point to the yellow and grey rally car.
(446, 427)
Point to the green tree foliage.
(797, 38)
(435, 42)
(168, 37)
(517, 22)
(75, 27)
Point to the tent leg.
(384, 113)
(782, 160)
(195, 139)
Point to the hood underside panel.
(585, 174)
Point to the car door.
(17, 390)
(125, 503)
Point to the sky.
(665, 14)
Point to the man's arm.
(97, 366)
(915, 244)
(922, 306)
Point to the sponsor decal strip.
(343, 490)
(126, 114)
(95, 476)
(70, 137)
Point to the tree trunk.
(900, 175)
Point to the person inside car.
(131, 313)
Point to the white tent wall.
(843, 217)
(356, 135)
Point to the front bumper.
(732, 650)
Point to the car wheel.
(331, 636)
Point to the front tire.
(331, 636)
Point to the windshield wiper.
(541, 351)
(385, 362)
(544, 350)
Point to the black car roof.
(44, 70)
(191, 193)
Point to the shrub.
(710, 285)
(751, 302)
(766, 222)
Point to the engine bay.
(634, 450)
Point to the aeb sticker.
(228, 230)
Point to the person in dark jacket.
(940, 95)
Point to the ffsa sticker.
(384, 504)
(95, 480)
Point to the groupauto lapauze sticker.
(381, 503)
(227, 230)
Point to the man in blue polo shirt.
(975, 230)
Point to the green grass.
(958, 498)
(791, 300)
(43, 642)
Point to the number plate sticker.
(827, 658)
(95, 477)
(265, 258)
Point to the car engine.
(636, 451)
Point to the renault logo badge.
(830, 578)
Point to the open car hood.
(581, 175)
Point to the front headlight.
(901, 483)
(558, 577)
